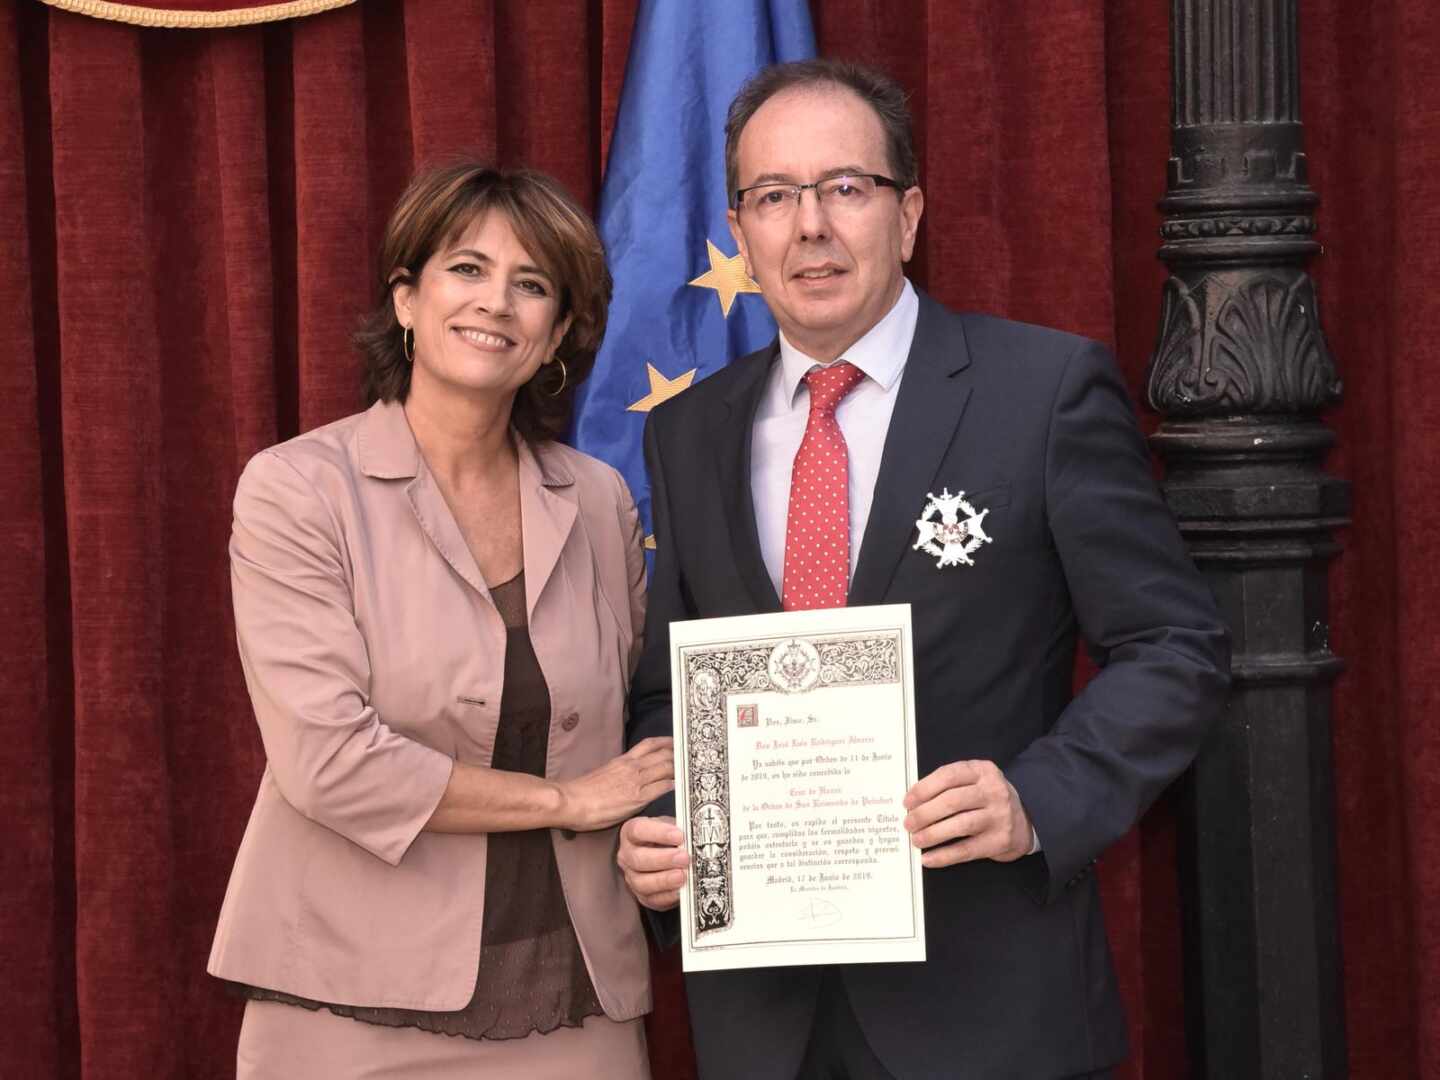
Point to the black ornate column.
(1240, 374)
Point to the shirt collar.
(881, 353)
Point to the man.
(875, 397)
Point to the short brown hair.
(882, 93)
(439, 205)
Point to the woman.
(438, 608)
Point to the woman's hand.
(618, 789)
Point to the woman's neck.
(465, 439)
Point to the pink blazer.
(374, 658)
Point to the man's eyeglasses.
(837, 194)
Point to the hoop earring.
(407, 343)
(564, 378)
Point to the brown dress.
(532, 976)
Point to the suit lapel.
(729, 433)
(932, 398)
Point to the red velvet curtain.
(187, 221)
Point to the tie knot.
(829, 385)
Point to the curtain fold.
(1374, 164)
(111, 435)
(34, 889)
(1415, 415)
(447, 109)
(188, 226)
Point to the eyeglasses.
(836, 194)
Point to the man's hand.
(653, 860)
(964, 811)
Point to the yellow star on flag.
(726, 276)
(661, 388)
(650, 542)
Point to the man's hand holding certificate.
(968, 810)
(795, 748)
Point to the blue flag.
(683, 304)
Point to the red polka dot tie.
(817, 525)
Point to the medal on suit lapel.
(952, 538)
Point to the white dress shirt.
(863, 415)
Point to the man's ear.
(912, 207)
(738, 235)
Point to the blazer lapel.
(729, 434)
(932, 398)
(435, 517)
(547, 514)
(386, 450)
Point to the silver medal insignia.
(952, 539)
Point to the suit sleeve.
(1146, 614)
(650, 690)
(650, 713)
(308, 670)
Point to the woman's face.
(485, 314)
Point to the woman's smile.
(484, 339)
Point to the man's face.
(828, 275)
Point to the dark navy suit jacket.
(1034, 425)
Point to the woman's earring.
(407, 343)
(564, 378)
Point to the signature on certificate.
(819, 913)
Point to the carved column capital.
(1241, 340)
(1239, 332)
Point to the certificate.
(794, 747)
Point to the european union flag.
(680, 309)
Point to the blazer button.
(570, 722)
